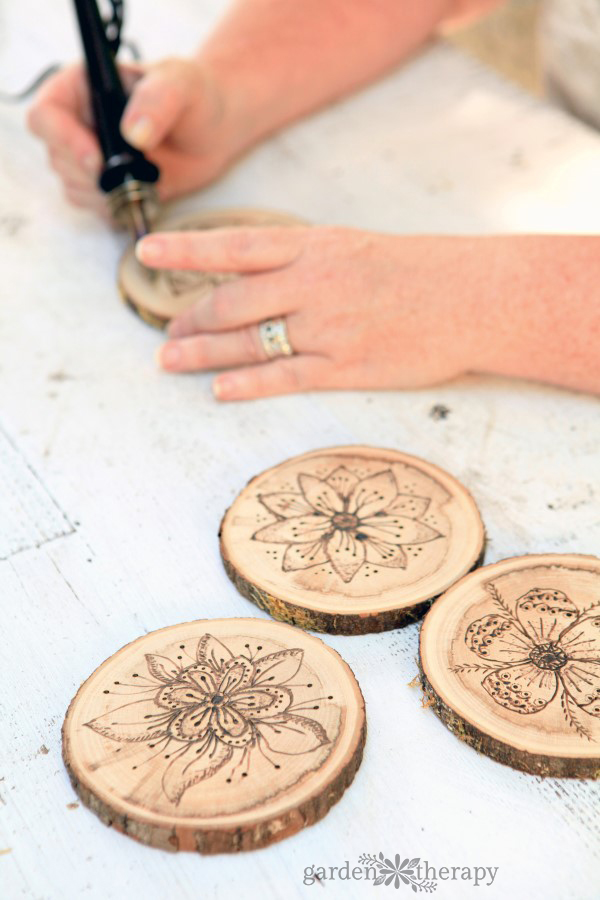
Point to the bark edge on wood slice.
(216, 736)
(350, 539)
(157, 296)
(509, 660)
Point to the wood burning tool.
(127, 177)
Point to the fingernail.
(223, 387)
(91, 163)
(149, 250)
(138, 132)
(169, 356)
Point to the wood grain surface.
(216, 736)
(510, 657)
(350, 539)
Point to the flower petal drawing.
(292, 735)
(230, 721)
(545, 613)
(346, 554)
(546, 648)
(343, 481)
(522, 688)
(200, 676)
(206, 713)
(194, 764)
(344, 521)
(192, 723)
(260, 702)
(162, 668)
(286, 504)
(498, 639)
(408, 505)
(236, 674)
(138, 721)
(321, 496)
(212, 652)
(300, 529)
(373, 494)
(278, 667)
(381, 553)
(304, 556)
(581, 678)
(582, 639)
(178, 695)
(398, 529)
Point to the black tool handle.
(122, 161)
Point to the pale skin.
(363, 310)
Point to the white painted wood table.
(114, 477)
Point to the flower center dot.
(548, 656)
(344, 521)
(216, 699)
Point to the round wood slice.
(350, 540)
(159, 295)
(216, 736)
(510, 659)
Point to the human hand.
(363, 310)
(176, 114)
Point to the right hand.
(176, 114)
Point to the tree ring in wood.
(158, 295)
(350, 540)
(510, 660)
(216, 736)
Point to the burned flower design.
(220, 709)
(546, 649)
(345, 521)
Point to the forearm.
(540, 308)
(281, 59)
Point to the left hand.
(363, 310)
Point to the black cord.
(19, 96)
(113, 26)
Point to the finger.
(60, 129)
(67, 168)
(156, 103)
(223, 249)
(286, 375)
(212, 351)
(234, 304)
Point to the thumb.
(156, 103)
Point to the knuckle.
(221, 307)
(199, 352)
(292, 378)
(252, 348)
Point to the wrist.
(240, 109)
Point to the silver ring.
(274, 338)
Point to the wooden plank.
(29, 515)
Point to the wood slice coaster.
(350, 540)
(158, 296)
(216, 736)
(510, 659)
